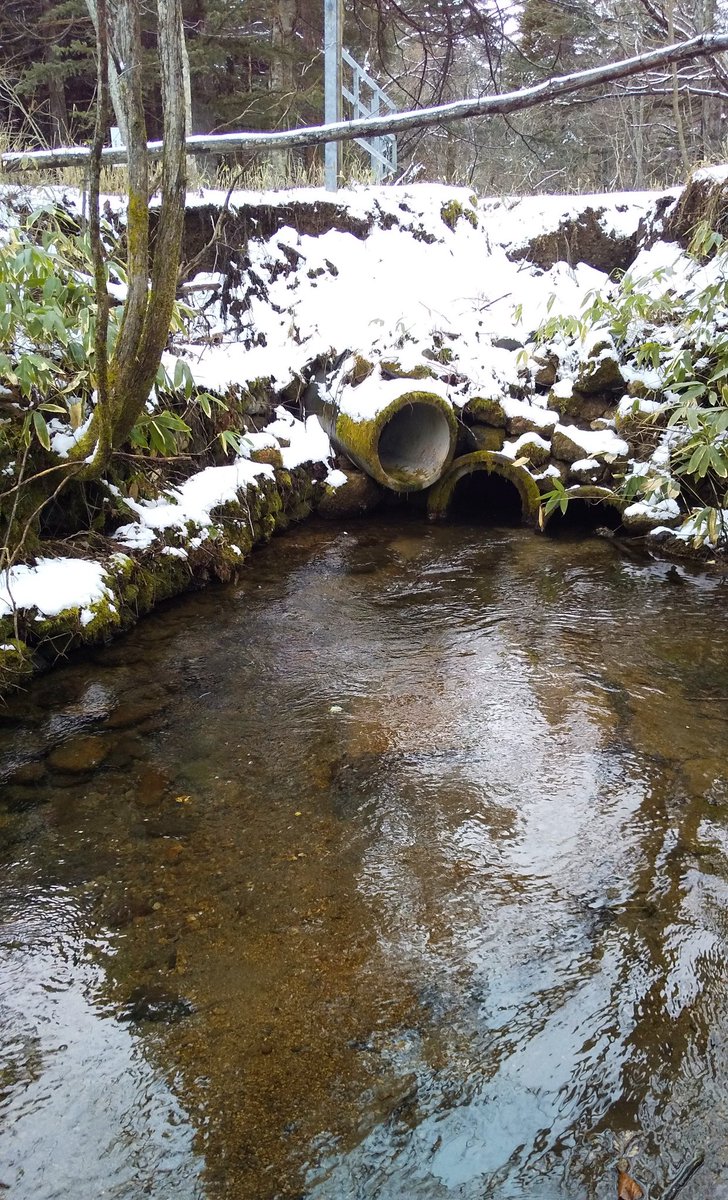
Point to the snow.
(545, 420)
(661, 510)
(192, 502)
(375, 394)
(515, 449)
(307, 441)
(63, 438)
(408, 294)
(54, 585)
(596, 442)
(514, 221)
(585, 466)
(716, 174)
(563, 389)
(631, 405)
(386, 295)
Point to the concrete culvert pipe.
(441, 496)
(589, 508)
(405, 446)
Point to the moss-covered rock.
(486, 411)
(578, 406)
(546, 368)
(359, 495)
(487, 437)
(391, 369)
(360, 369)
(640, 518)
(453, 211)
(571, 444)
(267, 454)
(536, 450)
(600, 372)
(529, 419)
(16, 662)
(137, 580)
(587, 471)
(640, 419)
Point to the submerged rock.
(133, 712)
(79, 756)
(153, 1002)
(27, 772)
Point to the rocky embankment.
(410, 337)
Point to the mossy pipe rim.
(591, 493)
(406, 446)
(495, 463)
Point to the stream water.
(398, 869)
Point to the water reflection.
(401, 871)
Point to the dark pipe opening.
(414, 444)
(484, 498)
(583, 517)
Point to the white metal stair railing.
(381, 150)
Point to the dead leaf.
(628, 1188)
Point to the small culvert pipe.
(405, 445)
(441, 496)
(593, 496)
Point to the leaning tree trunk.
(148, 309)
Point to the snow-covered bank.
(344, 304)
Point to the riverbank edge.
(136, 581)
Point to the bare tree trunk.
(639, 143)
(114, 90)
(282, 76)
(58, 112)
(670, 5)
(148, 310)
(101, 356)
(193, 173)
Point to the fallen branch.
(683, 1176)
(705, 45)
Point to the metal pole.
(333, 106)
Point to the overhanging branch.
(703, 46)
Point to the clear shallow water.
(404, 874)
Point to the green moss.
(139, 581)
(487, 437)
(452, 211)
(441, 354)
(441, 495)
(567, 406)
(359, 438)
(361, 370)
(394, 370)
(269, 455)
(486, 410)
(16, 664)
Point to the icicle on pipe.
(405, 445)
